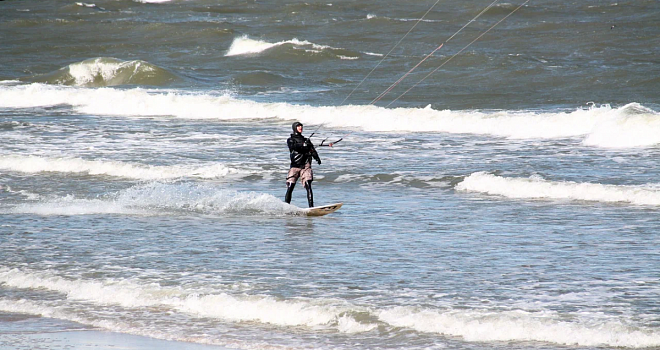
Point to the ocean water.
(509, 200)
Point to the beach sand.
(28, 332)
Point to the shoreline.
(30, 332)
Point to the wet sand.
(26, 332)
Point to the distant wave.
(11, 125)
(38, 164)
(537, 188)
(632, 125)
(394, 178)
(164, 198)
(84, 4)
(246, 46)
(106, 71)
(259, 79)
(34, 164)
(152, 1)
(372, 16)
(218, 302)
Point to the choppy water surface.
(510, 200)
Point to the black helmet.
(294, 126)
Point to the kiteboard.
(322, 210)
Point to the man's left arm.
(312, 149)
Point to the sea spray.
(163, 199)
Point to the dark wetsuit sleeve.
(312, 149)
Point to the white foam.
(603, 126)
(482, 326)
(538, 188)
(34, 164)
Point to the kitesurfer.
(301, 151)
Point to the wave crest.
(538, 188)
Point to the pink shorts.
(305, 174)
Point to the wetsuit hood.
(294, 126)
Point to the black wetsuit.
(301, 152)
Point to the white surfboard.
(322, 210)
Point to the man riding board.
(301, 151)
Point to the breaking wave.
(632, 125)
(481, 326)
(538, 188)
(106, 71)
(205, 302)
(246, 46)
